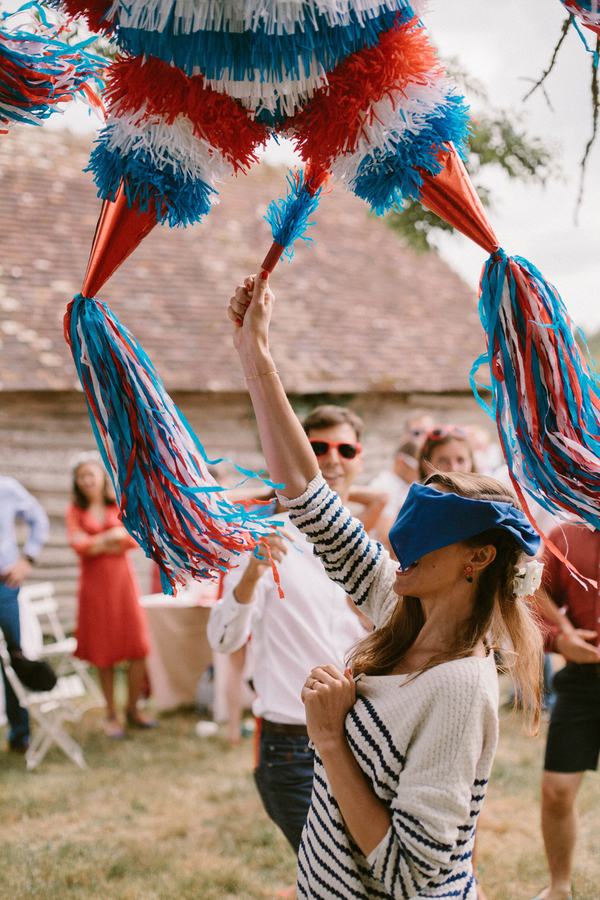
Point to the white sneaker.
(204, 728)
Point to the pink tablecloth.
(179, 649)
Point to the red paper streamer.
(149, 84)
(334, 117)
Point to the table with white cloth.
(179, 649)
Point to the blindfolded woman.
(405, 737)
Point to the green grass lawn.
(165, 815)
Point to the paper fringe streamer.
(384, 179)
(587, 11)
(38, 71)
(335, 117)
(289, 218)
(149, 87)
(257, 54)
(178, 199)
(383, 117)
(546, 402)
(277, 17)
(169, 501)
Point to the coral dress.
(111, 624)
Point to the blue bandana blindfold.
(430, 519)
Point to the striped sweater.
(425, 745)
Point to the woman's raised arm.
(288, 454)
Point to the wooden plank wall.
(41, 433)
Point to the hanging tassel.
(169, 501)
(546, 401)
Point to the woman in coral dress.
(111, 625)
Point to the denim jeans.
(284, 777)
(18, 718)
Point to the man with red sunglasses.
(314, 621)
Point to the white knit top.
(426, 744)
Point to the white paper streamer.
(173, 144)
(257, 95)
(275, 16)
(394, 117)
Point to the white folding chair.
(40, 601)
(50, 709)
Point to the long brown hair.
(79, 498)
(496, 612)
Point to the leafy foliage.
(498, 138)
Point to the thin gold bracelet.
(261, 375)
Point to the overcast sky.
(505, 44)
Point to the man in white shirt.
(314, 622)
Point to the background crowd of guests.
(289, 638)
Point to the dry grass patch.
(164, 814)
(158, 815)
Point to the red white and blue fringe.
(356, 84)
(545, 399)
(586, 11)
(196, 92)
(375, 113)
(38, 71)
(170, 503)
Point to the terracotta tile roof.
(355, 313)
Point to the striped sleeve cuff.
(341, 542)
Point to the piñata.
(198, 87)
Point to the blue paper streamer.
(179, 200)
(240, 56)
(289, 218)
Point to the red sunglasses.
(348, 451)
(438, 434)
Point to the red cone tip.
(452, 197)
(119, 231)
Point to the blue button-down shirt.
(17, 503)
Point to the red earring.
(469, 573)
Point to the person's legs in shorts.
(573, 746)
